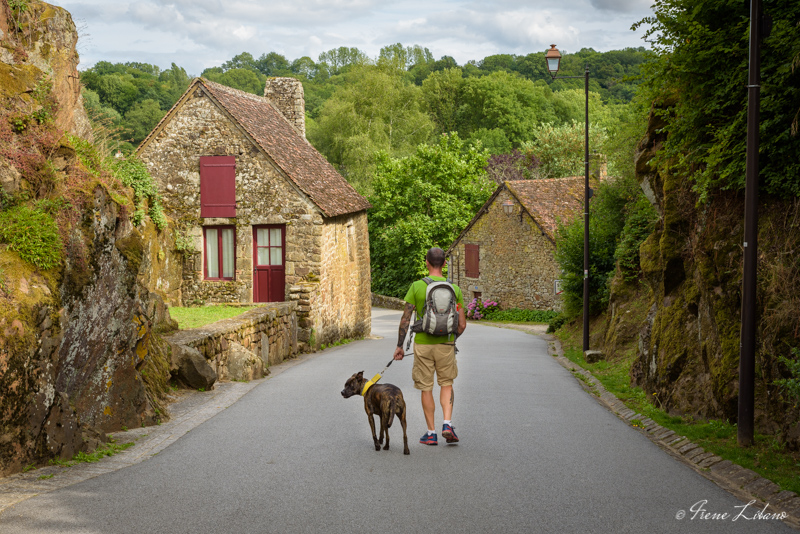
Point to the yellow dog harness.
(377, 377)
(371, 383)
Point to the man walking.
(432, 353)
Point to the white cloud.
(196, 34)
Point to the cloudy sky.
(197, 34)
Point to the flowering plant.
(478, 309)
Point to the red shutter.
(471, 253)
(217, 186)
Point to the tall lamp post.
(747, 343)
(553, 57)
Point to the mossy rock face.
(17, 81)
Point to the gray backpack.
(439, 315)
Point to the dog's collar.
(370, 383)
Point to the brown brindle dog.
(383, 400)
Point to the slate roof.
(301, 162)
(546, 201)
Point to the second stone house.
(507, 252)
(261, 215)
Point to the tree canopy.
(420, 201)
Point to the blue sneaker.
(449, 434)
(429, 439)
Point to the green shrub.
(133, 173)
(556, 322)
(791, 386)
(640, 220)
(33, 234)
(519, 315)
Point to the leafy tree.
(505, 101)
(377, 110)
(445, 62)
(441, 92)
(495, 141)
(245, 60)
(562, 148)
(118, 91)
(512, 166)
(606, 222)
(242, 79)
(304, 67)
(97, 111)
(141, 119)
(698, 79)
(273, 64)
(338, 59)
(420, 201)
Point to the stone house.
(258, 214)
(506, 253)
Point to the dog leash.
(377, 377)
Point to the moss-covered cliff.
(685, 311)
(79, 355)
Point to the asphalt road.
(537, 454)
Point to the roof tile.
(550, 201)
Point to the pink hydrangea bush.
(480, 309)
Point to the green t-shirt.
(416, 296)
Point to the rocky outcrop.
(688, 317)
(79, 353)
(37, 54)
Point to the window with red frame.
(219, 244)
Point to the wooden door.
(269, 258)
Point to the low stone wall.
(268, 332)
(382, 301)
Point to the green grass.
(109, 449)
(767, 456)
(196, 317)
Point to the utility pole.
(747, 345)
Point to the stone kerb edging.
(382, 301)
(268, 332)
(743, 483)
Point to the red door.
(269, 255)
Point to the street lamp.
(553, 57)
(747, 336)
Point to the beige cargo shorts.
(440, 358)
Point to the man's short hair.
(435, 257)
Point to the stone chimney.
(286, 94)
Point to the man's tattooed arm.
(404, 323)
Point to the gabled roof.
(546, 201)
(278, 139)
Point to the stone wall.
(268, 332)
(382, 301)
(516, 263)
(263, 196)
(344, 308)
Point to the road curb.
(742, 483)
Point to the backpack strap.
(428, 280)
